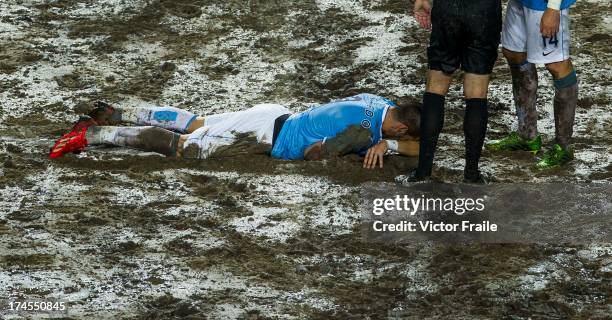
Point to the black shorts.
(465, 33)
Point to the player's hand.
(549, 26)
(422, 13)
(375, 155)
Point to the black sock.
(432, 120)
(474, 128)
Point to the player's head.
(405, 121)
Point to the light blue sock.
(566, 81)
(170, 118)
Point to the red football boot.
(75, 141)
(71, 142)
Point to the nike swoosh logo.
(545, 54)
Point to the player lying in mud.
(365, 124)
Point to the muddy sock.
(524, 90)
(142, 138)
(566, 96)
(432, 120)
(474, 128)
(170, 118)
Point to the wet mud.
(124, 234)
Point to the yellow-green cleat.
(555, 157)
(515, 142)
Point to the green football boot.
(555, 157)
(515, 142)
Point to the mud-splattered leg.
(142, 138)
(566, 97)
(524, 90)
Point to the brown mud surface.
(123, 234)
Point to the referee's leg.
(475, 87)
(432, 119)
(443, 59)
(478, 59)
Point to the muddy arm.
(351, 140)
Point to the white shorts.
(521, 33)
(218, 130)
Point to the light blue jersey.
(328, 120)
(541, 5)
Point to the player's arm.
(338, 146)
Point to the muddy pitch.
(122, 234)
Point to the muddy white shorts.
(521, 33)
(221, 129)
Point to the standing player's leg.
(524, 90)
(564, 104)
(524, 83)
(475, 88)
(554, 53)
(482, 20)
(443, 60)
(566, 96)
(432, 119)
